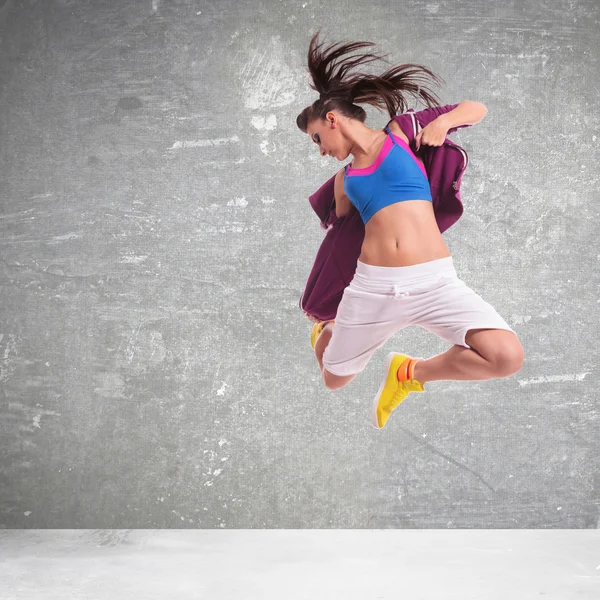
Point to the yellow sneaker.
(392, 391)
(316, 331)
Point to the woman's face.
(327, 138)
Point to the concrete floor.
(300, 564)
(156, 236)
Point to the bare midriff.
(403, 234)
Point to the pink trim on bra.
(385, 150)
(387, 146)
(407, 147)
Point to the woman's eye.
(317, 138)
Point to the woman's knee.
(500, 347)
(335, 382)
(324, 339)
(509, 357)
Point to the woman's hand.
(433, 134)
(311, 318)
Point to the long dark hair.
(343, 91)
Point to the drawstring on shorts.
(398, 293)
(398, 288)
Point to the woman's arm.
(343, 206)
(467, 112)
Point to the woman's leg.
(369, 314)
(494, 353)
(458, 315)
(332, 382)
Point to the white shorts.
(380, 301)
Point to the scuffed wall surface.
(156, 235)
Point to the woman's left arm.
(467, 112)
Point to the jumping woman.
(405, 273)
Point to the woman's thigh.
(363, 324)
(452, 309)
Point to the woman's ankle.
(419, 371)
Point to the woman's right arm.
(342, 203)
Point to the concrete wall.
(155, 237)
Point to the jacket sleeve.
(323, 203)
(430, 114)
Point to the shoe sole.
(311, 336)
(388, 362)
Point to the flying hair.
(342, 90)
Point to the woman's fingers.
(430, 140)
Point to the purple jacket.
(335, 263)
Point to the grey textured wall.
(155, 236)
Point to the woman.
(405, 274)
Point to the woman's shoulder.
(397, 130)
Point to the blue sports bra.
(395, 176)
